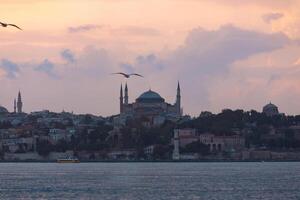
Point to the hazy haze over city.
(226, 54)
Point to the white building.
(214, 142)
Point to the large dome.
(150, 97)
(3, 110)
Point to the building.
(186, 136)
(222, 143)
(18, 144)
(215, 143)
(149, 107)
(270, 110)
(149, 151)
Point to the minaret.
(15, 105)
(126, 95)
(178, 100)
(19, 103)
(121, 99)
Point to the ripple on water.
(150, 181)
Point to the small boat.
(68, 160)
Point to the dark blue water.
(224, 181)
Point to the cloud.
(84, 28)
(128, 68)
(146, 64)
(135, 31)
(11, 69)
(264, 3)
(268, 18)
(212, 52)
(47, 67)
(95, 62)
(68, 56)
(205, 62)
(150, 60)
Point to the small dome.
(150, 97)
(3, 110)
(270, 109)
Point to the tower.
(121, 99)
(176, 154)
(178, 99)
(126, 95)
(15, 105)
(19, 103)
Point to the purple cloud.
(11, 69)
(47, 67)
(268, 18)
(84, 28)
(68, 56)
(212, 52)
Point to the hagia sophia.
(149, 107)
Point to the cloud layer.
(65, 61)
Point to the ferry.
(68, 160)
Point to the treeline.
(228, 121)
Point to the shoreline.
(147, 161)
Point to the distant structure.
(176, 155)
(15, 105)
(149, 107)
(3, 110)
(19, 103)
(121, 99)
(270, 110)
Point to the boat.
(68, 160)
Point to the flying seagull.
(128, 75)
(5, 25)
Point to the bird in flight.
(128, 75)
(5, 25)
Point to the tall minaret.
(19, 103)
(121, 99)
(178, 100)
(15, 105)
(126, 95)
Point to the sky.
(232, 54)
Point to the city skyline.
(223, 57)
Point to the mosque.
(18, 105)
(270, 110)
(149, 107)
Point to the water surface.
(224, 181)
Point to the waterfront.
(255, 180)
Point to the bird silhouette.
(5, 25)
(128, 75)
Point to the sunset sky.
(225, 53)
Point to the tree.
(161, 151)
(196, 147)
(1, 154)
(61, 146)
(43, 148)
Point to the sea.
(146, 180)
